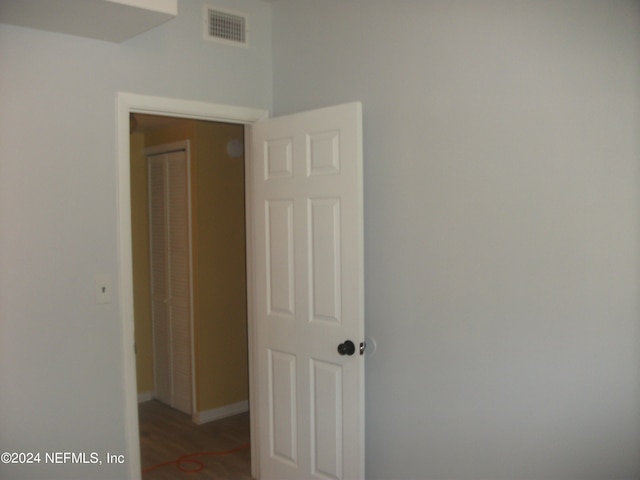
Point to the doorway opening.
(189, 269)
(179, 111)
(330, 234)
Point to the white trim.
(145, 397)
(252, 343)
(167, 148)
(175, 107)
(127, 103)
(221, 412)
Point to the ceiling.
(108, 20)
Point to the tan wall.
(217, 183)
(221, 291)
(140, 248)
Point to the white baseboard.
(221, 412)
(145, 397)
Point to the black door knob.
(347, 348)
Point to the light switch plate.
(103, 288)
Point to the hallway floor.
(167, 434)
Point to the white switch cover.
(103, 288)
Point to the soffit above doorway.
(108, 20)
(143, 123)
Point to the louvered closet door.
(170, 278)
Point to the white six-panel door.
(306, 187)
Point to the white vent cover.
(225, 26)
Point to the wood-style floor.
(167, 434)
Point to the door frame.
(128, 103)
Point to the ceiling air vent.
(227, 27)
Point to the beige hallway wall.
(220, 318)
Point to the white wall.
(501, 226)
(501, 222)
(61, 385)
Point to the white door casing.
(308, 292)
(127, 103)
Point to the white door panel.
(306, 183)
